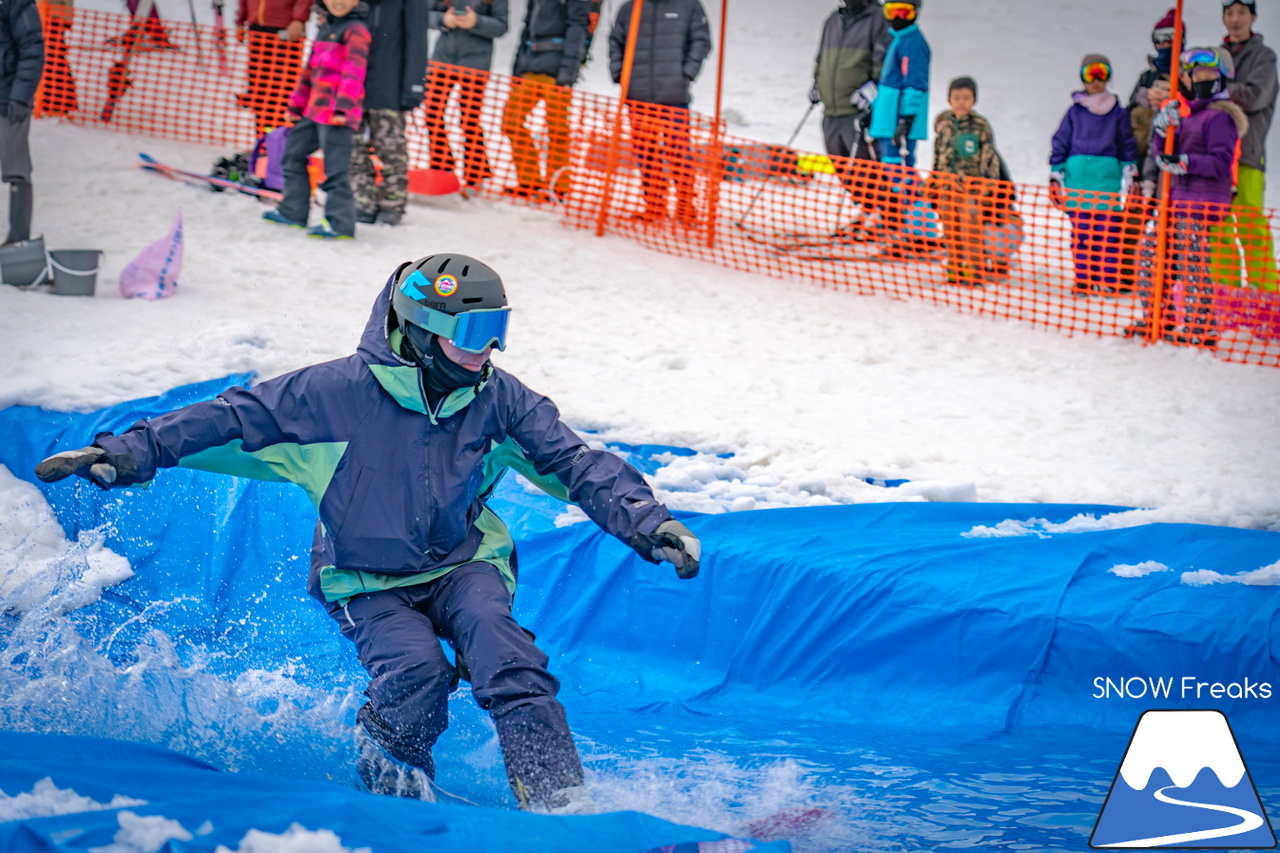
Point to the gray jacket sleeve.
(493, 25)
(618, 41)
(699, 42)
(1259, 91)
(435, 14)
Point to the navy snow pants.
(396, 631)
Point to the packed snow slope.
(794, 395)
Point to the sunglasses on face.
(1095, 72)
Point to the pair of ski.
(421, 181)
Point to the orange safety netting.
(1081, 263)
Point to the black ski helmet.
(429, 292)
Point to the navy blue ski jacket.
(400, 487)
(21, 51)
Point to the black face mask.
(900, 24)
(441, 375)
(854, 7)
(1203, 90)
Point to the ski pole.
(195, 33)
(790, 142)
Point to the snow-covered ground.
(795, 393)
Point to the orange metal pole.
(616, 140)
(1155, 319)
(713, 170)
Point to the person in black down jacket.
(467, 30)
(21, 64)
(673, 40)
(393, 88)
(553, 45)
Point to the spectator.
(22, 48)
(1254, 89)
(466, 41)
(1094, 153)
(1201, 168)
(58, 97)
(399, 445)
(393, 88)
(673, 40)
(898, 116)
(327, 102)
(553, 46)
(845, 75)
(1152, 88)
(966, 166)
(275, 31)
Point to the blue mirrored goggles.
(1201, 58)
(471, 331)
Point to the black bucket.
(24, 264)
(75, 271)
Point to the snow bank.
(46, 799)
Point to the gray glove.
(865, 96)
(17, 112)
(815, 97)
(93, 463)
(674, 543)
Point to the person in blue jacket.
(1094, 158)
(899, 116)
(398, 446)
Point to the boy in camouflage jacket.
(962, 188)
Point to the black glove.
(93, 463)
(674, 543)
(903, 133)
(815, 97)
(17, 112)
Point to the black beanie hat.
(964, 83)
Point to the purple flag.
(154, 273)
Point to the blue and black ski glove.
(903, 132)
(674, 543)
(94, 463)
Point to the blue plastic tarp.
(890, 615)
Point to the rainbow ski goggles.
(1095, 71)
(900, 11)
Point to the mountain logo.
(1182, 784)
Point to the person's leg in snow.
(395, 632)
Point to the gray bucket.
(75, 271)
(24, 264)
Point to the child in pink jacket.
(328, 104)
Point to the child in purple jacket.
(1094, 156)
(328, 104)
(1208, 128)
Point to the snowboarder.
(22, 47)
(398, 447)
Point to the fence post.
(714, 176)
(616, 140)
(1159, 265)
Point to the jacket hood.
(1099, 104)
(375, 345)
(1234, 110)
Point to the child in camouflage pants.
(383, 134)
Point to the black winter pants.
(396, 631)
(337, 143)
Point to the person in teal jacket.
(899, 116)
